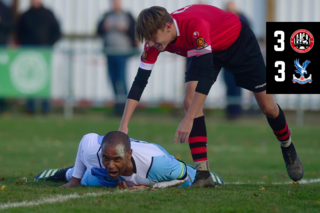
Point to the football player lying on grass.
(115, 159)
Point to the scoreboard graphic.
(293, 58)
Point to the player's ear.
(130, 154)
(168, 27)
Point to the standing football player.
(212, 38)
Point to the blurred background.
(66, 67)
(57, 57)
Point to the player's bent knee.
(270, 112)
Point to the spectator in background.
(233, 108)
(38, 27)
(117, 31)
(232, 8)
(6, 23)
(6, 27)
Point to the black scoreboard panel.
(293, 57)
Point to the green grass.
(242, 151)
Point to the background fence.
(79, 67)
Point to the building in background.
(38, 27)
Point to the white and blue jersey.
(153, 166)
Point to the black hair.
(114, 138)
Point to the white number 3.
(281, 40)
(280, 71)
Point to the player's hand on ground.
(74, 182)
(123, 129)
(183, 130)
(139, 187)
(122, 184)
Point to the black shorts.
(243, 59)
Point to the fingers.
(122, 184)
(176, 137)
(184, 136)
(139, 187)
(187, 137)
(181, 137)
(67, 185)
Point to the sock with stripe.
(280, 128)
(198, 144)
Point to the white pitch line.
(55, 199)
(276, 183)
(63, 198)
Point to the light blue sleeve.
(99, 177)
(167, 168)
(87, 179)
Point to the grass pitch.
(245, 153)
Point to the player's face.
(115, 161)
(162, 38)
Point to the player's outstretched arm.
(140, 82)
(74, 182)
(128, 111)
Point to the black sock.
(279, 126)
(198, 143)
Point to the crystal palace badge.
(302, 70)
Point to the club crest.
(201, 43)
(302, 41)
(144, 56)
(302, 70)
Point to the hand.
(122, 184)
(139, 187)
(123, 129)
(183, 130)
(74, 182)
